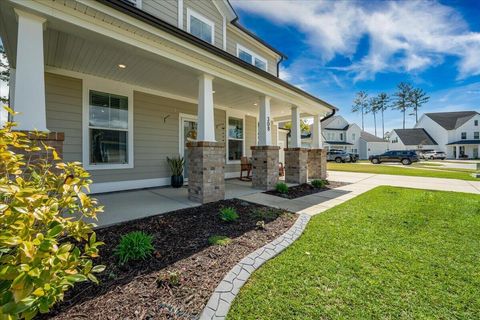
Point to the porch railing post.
(296, 131)
(206, 124)
(264, 127)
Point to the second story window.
(252, 58)
(476, 123)
(200, 26)
(476, 135)
(464, 135)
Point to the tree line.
(405, 99)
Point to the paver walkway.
(359, 183)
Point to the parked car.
(338, 156)
(405, 157)
(432, 155)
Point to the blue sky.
(336, 48)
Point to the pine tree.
(383, 103)
(402, 98)
(418, 98)
(360, 104)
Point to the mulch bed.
(304, 190)
(181, 243)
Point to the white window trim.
(181, 117)
(192, 13)
(237, 115)
(111, 87)
(136, 3)
(253, 54)
(180, 14)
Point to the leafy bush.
(219, 240)
(45, 245)
(169, 279)
(135, 245)
(228, 214)
(281, 187)
(319, 183)
(176, 165)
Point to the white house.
(457, 133)
(411, 139)
(370, 144)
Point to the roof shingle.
(416, 136)
(451, 120)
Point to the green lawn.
(402, 171)
(391, 253)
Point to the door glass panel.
(189, 134)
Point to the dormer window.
(200, 26)
(252, 58)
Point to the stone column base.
(317, 164)
(265, 167)
(206, 177)
(52, 139)
(296, 169)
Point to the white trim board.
(193, 13)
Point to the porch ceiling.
(69, 47)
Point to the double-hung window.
(252, 58)
(235, 138)
(107, 129)
(476, 135)
(464, 136)
(200, 26)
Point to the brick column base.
(52, 139)
(317, 164)
(296, 169)
(264, 166)
(206, 177)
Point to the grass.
(402, 171)
(391, 253)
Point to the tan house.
(128, 83)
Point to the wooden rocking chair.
(245, 165)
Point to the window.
(252, 58)
(353, 136)
(107, 129)
(395, 140)
(476, 135)
(200, 26)
(476, 123)
(464, 135)
(341, 136)
(235, 138)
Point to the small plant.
(319, 183)
(136, 245)
(261, 225)
(219, 240)
(267, 214)
(281, 187)
(228, 214)
(176, 165)
(169, 279)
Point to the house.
(457, 133)
(416, 139)
(121, 85)
(337, 133)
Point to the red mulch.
(304, 189)
(181, 244)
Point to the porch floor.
(134, 204)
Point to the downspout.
(330, 115)
(278, 66)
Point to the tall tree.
(373, 108)
(418, 98)
(402, 98)
(360, 104)
(4, 71)
(383, 103)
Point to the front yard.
(389, 253)
(413, 170)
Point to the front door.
(188, 132)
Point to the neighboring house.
(129, 83)
(457, 133)
(370, 145)
(416, 139)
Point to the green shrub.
(265, 214)
(219, 240)
(228, 214)
(319, 183)
(135, 245)
(281, 187)
(45, 244)
(169, 279)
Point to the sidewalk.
(359, 183)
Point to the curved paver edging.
(222, 298)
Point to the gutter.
(145, 17)
(330, 115)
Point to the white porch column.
(457, 152)
(29, 91)
(317, 133)
(296, 132)
(264, 128)
(206, 124)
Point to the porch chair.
(245, 165)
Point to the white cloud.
(404, 36)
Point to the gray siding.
(166, 10)
(64, 112)
(233, 39)
(209, 11)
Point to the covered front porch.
(464, 149)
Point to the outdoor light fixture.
(122, 66)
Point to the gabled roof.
(451, 120)
(416, 136)
(368, 137)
